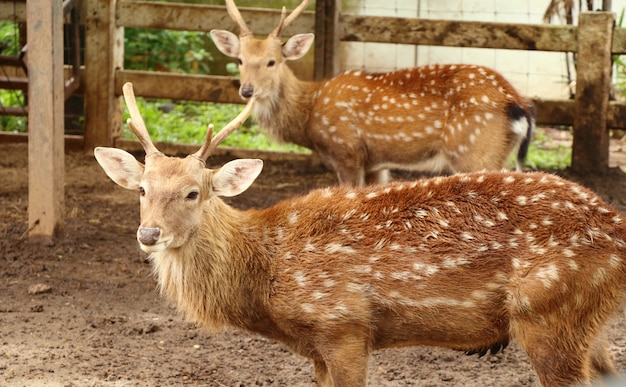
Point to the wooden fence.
(591, 114)
(595, 40)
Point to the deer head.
(173, 190)
(262, 62)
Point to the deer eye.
(271, 63)
(142, 191)
(193, 195)
(240, 61)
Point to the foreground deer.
(447, 118)
(466, 262)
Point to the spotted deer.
(438, 118)
(467, 262)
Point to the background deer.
(439, 118)
(468, 262)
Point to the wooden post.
(327, 38)
(104, 53)
(45, 118)
(590, 148)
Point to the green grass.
(543, 154)
(187, 123)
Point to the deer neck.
(219, 253)
(285, 112)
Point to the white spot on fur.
(300, 278)
(308, 308)
(548, 275)
(332, 248)
(425, 269)
(293, 218)
(361, 269)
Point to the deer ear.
(297, 46)
(236, 176)
(120, 166)
(226, 42)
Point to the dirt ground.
(84, 311)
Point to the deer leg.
(559, 359)
(354, 176)
(322, 376)
(347, 361)
(377, 177)
(601, 360)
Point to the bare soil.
(84, 311)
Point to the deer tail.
(522, 124)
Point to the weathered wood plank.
(72, 142)
(104, 45)
(13, 10)
(204, 88)
(327, 55)
(616, 115)
(590, 147)
(433, 32)
(194, 17)
(619, 41)
(46, 171)
(554, 112)
(562, 112)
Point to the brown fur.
(466, 262)
(442, 118)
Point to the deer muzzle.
(246, 91)
(148, 236)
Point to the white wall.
(533, 73)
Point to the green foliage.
(9, 38)
(186, 122)
(542, 154)
(12, 123)
(166, 50)
(9, 45)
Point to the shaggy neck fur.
(204, 277)
(285, 113)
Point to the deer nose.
(148, 235)
(246, 91)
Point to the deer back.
(455, 118)
(450, 118)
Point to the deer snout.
(246, 91)
(148, 236)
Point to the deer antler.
(236, 16)
(286, 21)
(211, 143)
(135, 122)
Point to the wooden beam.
(13, 10)
(104, 51)
(201, 88)
(590, 147)
(13, 83)
(13, 111)
(554, 112)
(73, 143)
(431, 32)
(46, 170)
(327, 57)
(192, 17)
